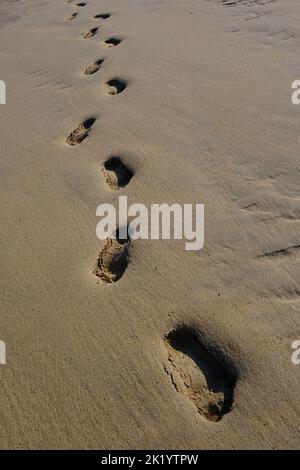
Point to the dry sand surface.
(188, 349)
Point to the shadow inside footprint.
(81, 132)
(93, 68)
(113, 42)
(90, 33)
(117, 175)
(113, 259)
(81, 4)
(116, 86)
(205, 379)
(103, 16)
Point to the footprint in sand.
(93, 68)
(197, 373)
(115, 86)
(102, 16)
(117, 175)
(81, 132)
(90, 33)
(81, 4)
(113, 259)
(72, 17)
(111, 42)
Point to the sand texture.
(143, 344)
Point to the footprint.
(72, 17)
(111, 42)
(81, 4)
(90, 33)
(113, 259)
(116, 86)
(198, 374)
(102, 16)
(117, 175)
(93, 68)
(81, 132)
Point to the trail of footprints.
(113, 259)
(197, 373)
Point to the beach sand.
(206, 117)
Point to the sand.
(206, 117)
